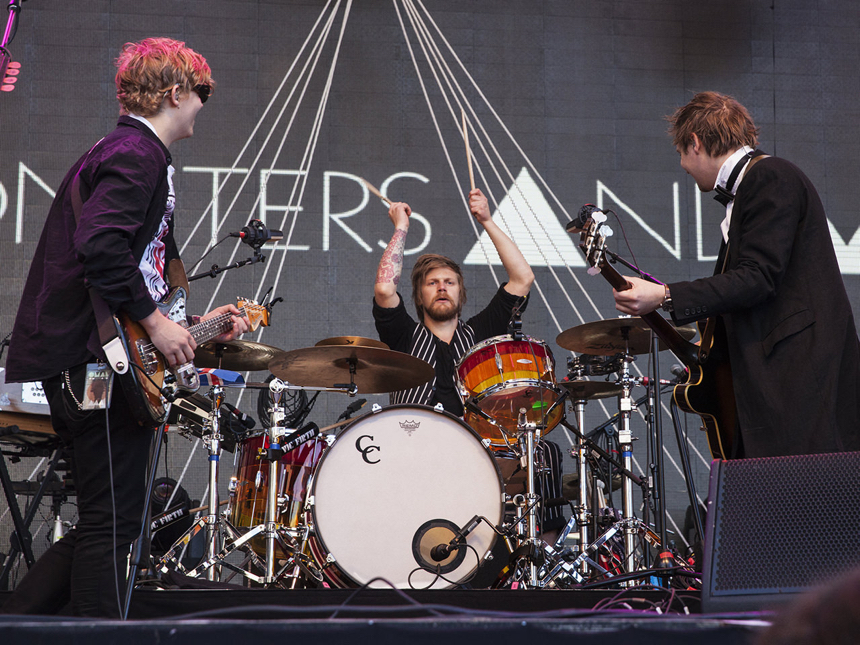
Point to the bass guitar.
(708, 391)
(149, 381)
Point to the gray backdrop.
(582, 87)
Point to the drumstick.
(206, 508)
(336, 425)
(376, 192)
(468, 151)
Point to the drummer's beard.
(444, 311)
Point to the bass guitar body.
(148, 371)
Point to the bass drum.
(396, 483)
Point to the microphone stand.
(215, 269)
(11, 28)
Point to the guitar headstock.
(592, 241)
(257, 314)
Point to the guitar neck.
(209, 329)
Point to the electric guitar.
(708, 391)
(149, 378)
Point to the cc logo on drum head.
(365, 451)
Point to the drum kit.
(412, 496)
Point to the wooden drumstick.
(468, 151)
(375, 191)
(206, 508)
(336, 425)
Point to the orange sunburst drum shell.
(504, 375)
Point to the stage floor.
(383, 616)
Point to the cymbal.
(377, 370)
(236, 355)
(581, 389)
(607, 337)
(357, 341)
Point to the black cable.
(113, 511)
(212, 248)
(366, 586)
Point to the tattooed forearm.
(391, 264)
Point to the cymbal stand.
(625, 440)
(581, 510)
(213, 445)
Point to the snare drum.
(396, 483)
(503, 375)
(249, 488)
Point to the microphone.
(680, 372)
(352, 408)
(255, 234)
(300, 436)
(442, 551)
(244, 419)
(585, 213)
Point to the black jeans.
(80, 567)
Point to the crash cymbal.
(357, 341)
(236, 355)
(581, 389)
(377, 370)
(607, 337)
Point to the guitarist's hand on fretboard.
(240, 323)
(640, 298)
(169, 338)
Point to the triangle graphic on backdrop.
(524, 209)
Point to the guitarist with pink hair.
(109, 230)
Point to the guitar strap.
(710, 327)
(111, 342)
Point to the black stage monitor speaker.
(778, 526)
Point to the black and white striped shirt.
(402, 333)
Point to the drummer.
(440, 336)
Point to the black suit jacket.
(791, 336)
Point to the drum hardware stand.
(630, 525)
(221, 538)
(625, 440)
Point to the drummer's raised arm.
(391, 263)
(520, 276)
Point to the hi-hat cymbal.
(377, 370)
(357, 341)
(607, 337)
(236, 355)
(581, 390)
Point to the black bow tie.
(723, 196)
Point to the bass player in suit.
(790, 335)
(120, 249)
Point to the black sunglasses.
(203, 91)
